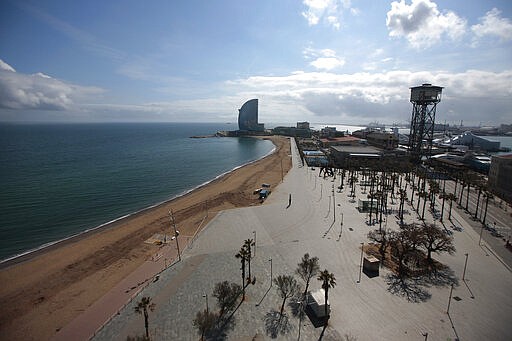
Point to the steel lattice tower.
(424, 100)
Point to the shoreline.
(45, 290)
(46, 247)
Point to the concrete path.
(373, 309)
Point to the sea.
(59, 180)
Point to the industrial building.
(384, 140)
(474, 142)
(326, 142)
(343, 154)
(292, 131)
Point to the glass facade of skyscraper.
(248, 116)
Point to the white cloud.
(328, 53)
(38, 91)
(422, 24)
(363, 97)
(333, 21)
(327, 63)
(324, 59)
(329, 10)
(356, 98)
(6, 67)
(493, 25)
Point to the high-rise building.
(248, 116)
(499, 176)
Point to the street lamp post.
(254, 232)
(465, 264)
(282, 176)
(361, 264)
(302, 303)
(481, 231)
(334, 203)
(341, 224)
(206, 295)
(176, 233)
(270, 260)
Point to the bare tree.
(287, 286)
(307, 269)
(381, 237)
(403, 246)
(434, 239)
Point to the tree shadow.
(407, 287)
(276, 324)
(440, 275)
(295, 304)
(224, 325)
(263, 297)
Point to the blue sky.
(327, 61)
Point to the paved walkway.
(375, 308)
(85, 325)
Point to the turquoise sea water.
(61, 179)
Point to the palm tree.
(247, 244)
(306, 269)
(423, 194)
(403, 197)
(452, 198)
(456, 180)
(487, 197)
(413, 187)
(443, 196)
(142, 308)
(467, 195)
(371, 196)
(328, 281)
(434, 188)
(243, 255)
(462, 185)
(481, 187)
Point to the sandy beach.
(42, 293)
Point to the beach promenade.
(378, 308)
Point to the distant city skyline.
(333, 61)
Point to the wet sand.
(43, 292)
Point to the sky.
(322, 61)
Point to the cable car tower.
(424, 100)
